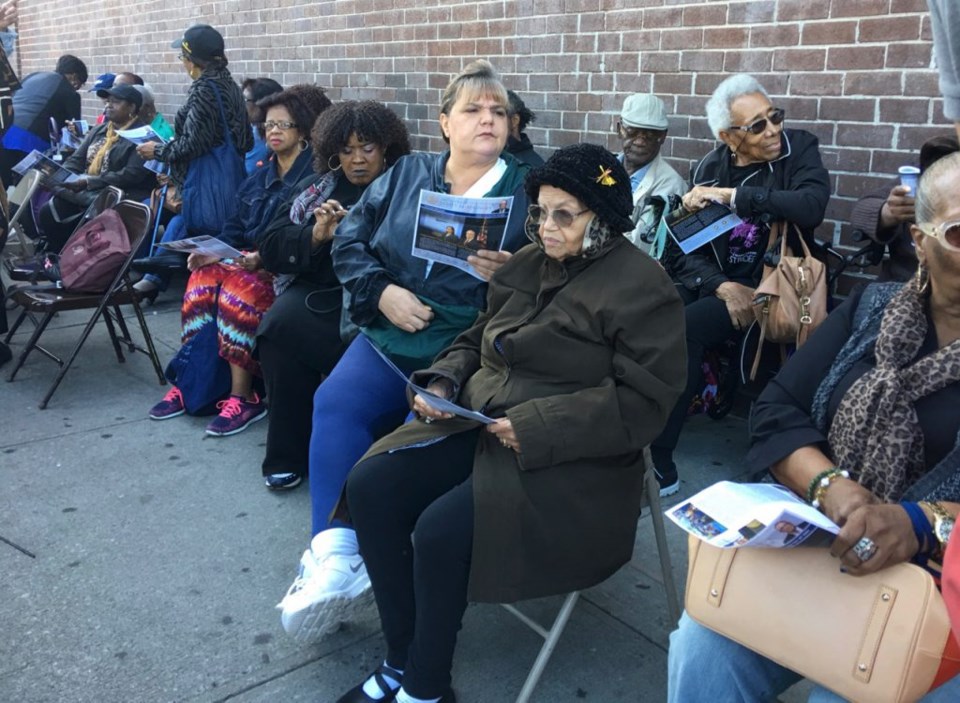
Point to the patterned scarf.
(597, 238)
(313, 197)
(98, 162)
(875, 434)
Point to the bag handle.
(227, 134)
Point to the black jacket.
(522, 150)
(45, 95)
(794, 187)
(124, 168)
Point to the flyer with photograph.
(52, 174)
(451, 228)
(729, 514)
(691, 230)
(205, 245)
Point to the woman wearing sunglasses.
(578, 358)
(862, 422)
(765, 173)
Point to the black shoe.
(282, 482)
(162, 263)
(356, 694)
(5, 354)
(668, 479)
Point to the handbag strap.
(227, 134)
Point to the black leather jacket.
(794, 187)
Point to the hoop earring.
(922, 279)
(304, 144)
(339, 165)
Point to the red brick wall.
(855, 72)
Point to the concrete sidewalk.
(140, 561)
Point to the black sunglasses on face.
(757, 127)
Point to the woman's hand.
(503, 429)
(250, 262)
(897, 208)
(147, 150)
(195, 261)
(889, 528)
(486, 262)
(701, 196)
(328, 216)
(442, 388)
(404, 309)
(843, 497)
(739, 300)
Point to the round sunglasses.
(947, 233)
(758, 126)
(562, 218)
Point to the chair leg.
(652, 488)
(108, 321)
(124, 332)
(16, 325)
(31, 343)
(101, 310)
(148, 339)
(550, 643)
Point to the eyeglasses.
(283, 125)
(635, 134)
(757, 127)
(561, 218)
(947, 233)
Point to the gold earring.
(304, 144)
(922, 279)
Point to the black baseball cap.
(126, 93)
(200, 41)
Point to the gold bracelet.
(825, 483)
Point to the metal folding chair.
(19, 198)
(551, 636)
(136, 218)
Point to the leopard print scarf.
(875, 434)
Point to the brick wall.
(855, 72)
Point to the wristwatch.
(943, 523)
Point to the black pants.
(290, 385)
(413, 512)
(708, 326)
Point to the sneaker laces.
(231, 407)
(172, 395)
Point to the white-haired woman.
(766, 174)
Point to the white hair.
(718, 106)
(146, 93)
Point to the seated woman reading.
(578, 358)
(865, 413)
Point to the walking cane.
(156, 221)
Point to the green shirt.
(162, 127)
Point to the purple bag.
(93, 255)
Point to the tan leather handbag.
(791, 300)
(881, 638)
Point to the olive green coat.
(590, 360)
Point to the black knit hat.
(594, 176)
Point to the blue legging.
(360, 401)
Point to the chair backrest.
(24, 190)
(106, 199)
(136, 218)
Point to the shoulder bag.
(791, 300)
(209, 190)
(880, 638)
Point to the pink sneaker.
(236, 414)
(170, 406)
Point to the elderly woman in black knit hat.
(578, 358)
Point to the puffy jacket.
(794, 187)
(123, 169)
(372, 245)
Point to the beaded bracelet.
(825, 483)
(812, 488)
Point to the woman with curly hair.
(299, 339)
(235, 294)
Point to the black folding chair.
(48, 302)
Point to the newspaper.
(69, 140)
(142, 135)
(434, 401)
(205, 245)
(731, 514)
(691, 230)
(52, 174)
(452, 228)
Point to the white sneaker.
(326, 593)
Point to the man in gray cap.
(643, 128)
